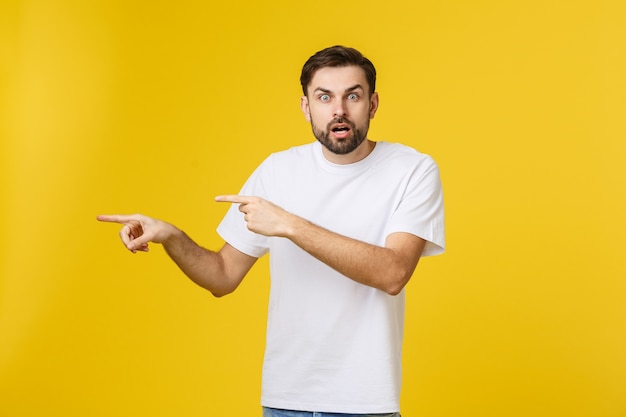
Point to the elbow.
(393, 291)
(397, 273)
(216, 291)
(220, 292)
(217, 287)
(395, 288)
(396, 282)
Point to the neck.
(360, 153)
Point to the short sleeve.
(420, 211)
(234, 229)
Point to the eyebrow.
(348, 90)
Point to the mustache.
(337, 120)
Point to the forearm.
(386, 268)
(204, 267)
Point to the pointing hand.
(263, 217)
(138, 230)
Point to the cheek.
(315, 115)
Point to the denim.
(273, 412)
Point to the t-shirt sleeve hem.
(435, 242)
(241, 246)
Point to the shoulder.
(295, 152)
(404, 156)
(294, 156)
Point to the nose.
(340, 108)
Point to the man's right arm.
(219, 272)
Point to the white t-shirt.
(334, 345)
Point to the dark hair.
(337, 56)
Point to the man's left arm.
(387, 268)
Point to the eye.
(324, 97)
(353, 96)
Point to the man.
(346, 221)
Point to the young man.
(346, 221)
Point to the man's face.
(339, 107)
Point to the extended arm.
(387, 268)
(219, 272)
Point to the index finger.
(233, 198)
(115, 218)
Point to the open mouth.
(340, 130)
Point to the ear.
(304, 105)
(373, 105)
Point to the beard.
(341, 146)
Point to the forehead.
(338, 78)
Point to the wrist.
(170, 233)
(294, 226)
(298, 229)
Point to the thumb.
(139, 244)
(134, 238)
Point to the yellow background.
(156, 107)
